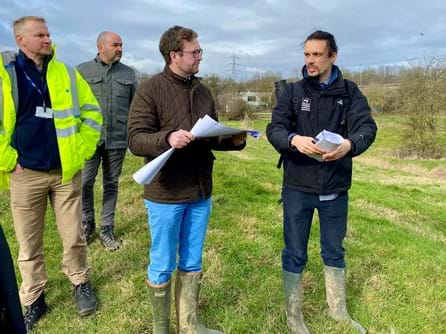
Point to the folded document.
(326, 141)
(204, 127)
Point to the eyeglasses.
(196, 53)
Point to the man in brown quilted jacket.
(178, 200)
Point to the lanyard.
(42, 94)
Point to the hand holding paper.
(328, 142)
(180, 138)
(239, 139)
(306, 145)
(339, 152)
(204, 127)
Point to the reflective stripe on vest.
(92, 124)
(67, 132)
(10, 69)
(72, 74)
(60, 114)
(91, 107)
(76, 108)
(2, 128)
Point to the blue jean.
(176, 228)
(298, 209)
(112, 161)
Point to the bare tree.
(423, 97)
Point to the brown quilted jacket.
(163, 104)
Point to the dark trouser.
(9, 295)
(112, 161)
(298, 209)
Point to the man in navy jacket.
(322, 100)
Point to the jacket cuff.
(352, 152)
(290, 138)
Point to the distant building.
(256, 99)
(229, 103)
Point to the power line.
(234, 65)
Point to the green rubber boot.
(187, 291)
(336, 297)
(160, 296)
(293, 303)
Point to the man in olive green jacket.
(178, 200)
(113, 84)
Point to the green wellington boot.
(336, 297)
(160, 296)
(293, 303)
(187, 291)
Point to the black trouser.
(11, 319)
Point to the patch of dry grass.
(409, 220)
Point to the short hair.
(18, 24)
(101, 37)
(324, 36)
(173, 40)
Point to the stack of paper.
(326, 141)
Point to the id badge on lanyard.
(44, 112)
(41, 111)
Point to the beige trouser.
(30, 191)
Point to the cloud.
(265, 35)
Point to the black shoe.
(85, 299)
(34, 312)
(89, 229)
(108, 239)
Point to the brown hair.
(18, 24)
(172, 40)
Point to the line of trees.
(416, 91)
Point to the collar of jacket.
(178, 79)
(23, 59)
(98, 60)
(21, 56)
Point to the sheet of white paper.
(208, 127)
(204, 127)
(327, 141)
(146, 174)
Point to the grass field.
(396, 254)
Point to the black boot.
(85, 299)
(35, 311)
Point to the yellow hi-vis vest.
(8, 155)
(77, 118)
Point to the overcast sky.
(263, 35)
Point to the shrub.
(383, 98)
(422, 97)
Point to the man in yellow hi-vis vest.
(44, 145)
